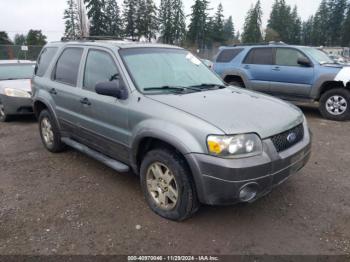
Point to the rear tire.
(49, 132)
(3, 116)
(168, 186)
(335, 104)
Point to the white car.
(15, 88)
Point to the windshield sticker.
(193, 59)
(343, 75)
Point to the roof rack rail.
(95, 38)
(263, 43)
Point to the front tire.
(3, 116)
(49, 132)
(335, 104)
(167, 184)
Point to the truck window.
(288, 57)
(44, 60)
(259, 56)
(99, 67)
(228, 55)
(67, 67)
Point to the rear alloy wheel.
(335, 104)
(3, 116)
(49, 133)
(167, 185)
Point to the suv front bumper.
(219, 181)
(17, 105)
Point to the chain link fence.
(11, 52)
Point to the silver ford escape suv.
(158, 111)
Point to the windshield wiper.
(208, 86)
(176, 89)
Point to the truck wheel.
(3, 116)
(335, 104)
(167, 185)
(237, 84)
(49, 133)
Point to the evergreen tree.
(229, 30)
(198, 23)
(295, 27)
(147, 20)
(337, 10)
(166, 21)
(71, 17)
(20, 39)
(306, 32)
(320, 28)
(179, 22)
(36, 37)
(252, 26)
(4, 38)
(129, 18)
(96, 16)
(346, 29)
(218, 34)
(113, 21)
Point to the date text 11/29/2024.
(173, 258)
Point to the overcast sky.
(18, 16)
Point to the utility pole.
(83, 20)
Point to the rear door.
(104, 124)
(288, 78)
(64, 91)
(257, 65)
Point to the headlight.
(16, 93)
(235, 146)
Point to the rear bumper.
(219, 181)
(17, 105)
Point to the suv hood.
(237, 111)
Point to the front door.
(288, 78)
(104, 125)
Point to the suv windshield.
(165, 70)
(16, 71)
(320, 56)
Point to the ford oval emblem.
(291, 137)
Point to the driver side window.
(288, 57)
(99, 67)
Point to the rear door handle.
(277, 68)
(53, 91)
(85, 101)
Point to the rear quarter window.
(44, 60)
(259, 56)
(67, 67)
(228, 55)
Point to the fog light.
(248, 192)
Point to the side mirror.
(112, 88)
(303, 61)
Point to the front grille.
(289, 138)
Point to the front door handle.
(53, 91)
(277, 68)
(247, 67)
(85, 101)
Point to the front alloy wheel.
(167, 184)
(47, 132)
(335, 104)
(161, 185)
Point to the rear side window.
(288, 57)
(44, 60)
(100, 67)
(67, 67)
(260, 56)
(228, 55)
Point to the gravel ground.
(70, 204)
